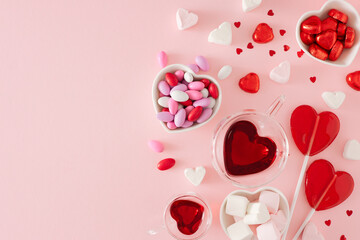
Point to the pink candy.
(165, 116)
(180, 118)
(173, 106)
(162, 59)
(204, 102)
(164, 88)
(194, 95)
(179, 74)
(194, 67)
(202, 63)
(156, 146)
(196, 86)
(205, 115)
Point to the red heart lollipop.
(313, 132)
(326, 188)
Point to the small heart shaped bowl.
(348, 55)
(155, 94)
(227, 220)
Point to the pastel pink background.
(76, 114)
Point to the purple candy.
(204, 102)
(188, 109)
(171, 125)
(194, 67)
(202, 63)
(165, 116)
(181, 87)
(164, 88)
(180, 117)
(187, 124)
(205, 115)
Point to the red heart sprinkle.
(286, 48)
(270, 13)
(271, 53)
(250, 83)
(342, 237)
(238, 51)
(349, 212)
(328, 222)
(282, 32)
(250, 46)
(300, 53)
(313, 79)
(237, 24)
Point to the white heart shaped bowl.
(155, 94)
(227, 220)
(348, 55)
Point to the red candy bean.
(166, 164)
(318, 52)
(213, 90)
(194, 114)
(171, 79)
(206, 82)
(349, 37)
(311, 25)
(342, 17)
(187, 102)
(165, 110)
(336, 51)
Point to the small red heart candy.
(307, 38)
(336, 51)
(318, 51)
(263, 33)
(326, 39)
(286, 48)
(238, 51)
(272, 53)
(329, 24)
(349, 37)
(342, 17)
(311, 25)
(237, 24)
(349, 212)
(250, 83)
(300, 53)
(328, 222)
(353, 80)
(270, 13)
(250, 45)
(282, 32)
(313, 79)
(342, 237)
(341, 29)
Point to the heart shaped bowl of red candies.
(331, 34)
(183, 100)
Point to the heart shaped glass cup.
(270, 135)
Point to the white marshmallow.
(268, 231)
(281, 73)
(236, 218)
(239, 231)
(236, 205)
(256, 207)
(249, 5)
(185, 19)
(352, 150)
(333, 99)
(279, 220)
(271, 200)
(221, 35)
(258, 218)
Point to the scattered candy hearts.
(342, 17)
(263, 33)
(333, 99)
(313, 79)
(326, 39)
(352, 150)
(156, 146)
(162, 59)
(307, 38)
(326, 188)
(250, 45)
(311, 25)
(342, 237)
(224, 72)
(311, 233)
(185, 19)
(281, 73)
(202, 63)
(238, 51)
(349, 212)
(303, 121)
(195, 176)
(353, 80)
(300, 53)
(349, 37)
(282, 32)
(328, 222)
(166, 164)
(249, 5)
(286, 48)
(272, 53)
(222, 35)
(237, 24)
(270, 13)
(318, 52)
(250, 83)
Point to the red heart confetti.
(250, 83)
(286, 48)
(250, 45)
(342, 237)
(270, 13)
(349, 212)
(313, 79)
(238, 51)
(328, 222)
(237, 24)
(272, 53)
(300, 53)
(282, 32)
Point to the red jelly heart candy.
(166, 164)
(238, 51)
(336, 51)
(349, 212)
(307, 38)
(286, 48)
(250, 83)
(245, 152)
(304, 120)
(342, 17)
(329, 24)
(341, 29)
(237, 24)
(300, 53)
(188, 215)
(282, 32)
(195, 114)
(263, 33)
(326, 188)
(271, 53)
(349, 37)
(328, 222)
(171, 79)
(318, 51)
(353, 80)
(326, 39)
(342, 237)
(213, 90)
(250, 46)
(311, 25)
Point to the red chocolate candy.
(342, 17)
(349, 37)
(318, 51)
(165, 164)
(341, 28)
(263, 33)
(250, 83)
(329, 24)
(311, 25)
(171, 79)
(213, 90)
(336, 51)
(194, 114)
(206, 82)
(353, 80)
(307, 38)
(326, 39)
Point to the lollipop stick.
(307, 219)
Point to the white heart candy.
(249, 5)
(281, 73)
(352, 150)
(311, 233)
(185, 19)
(333, 99)
(224, 72)
(195, 176)
(221, 35)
